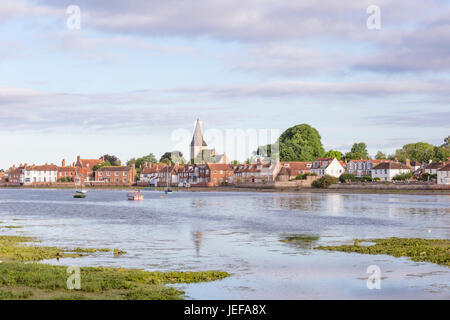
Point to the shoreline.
(253, 189)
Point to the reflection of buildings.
(304, 202)
(334, 203)
(197, 241)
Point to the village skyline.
(122, 86)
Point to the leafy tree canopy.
(380, 155)
(113, 160)
(420, 151)
(300, 143)
(172, 157)
(334, 154)
(358, 151)
(140, 162)
(103, 164)
(446, 144)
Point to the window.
(108, 173)
(215, 179)
(215, 171)
(116, 174)
(124, 174)
(100, 174)
(116, 180)
(124, 179)
(221, 171)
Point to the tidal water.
(240, 233)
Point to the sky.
(133, 76)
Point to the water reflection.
(239, 233)
(197, 237)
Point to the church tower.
(198, 144)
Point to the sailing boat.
(80, 193)
(168, 190)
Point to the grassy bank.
(22, 277)
(426, 250)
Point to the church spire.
(197, 139)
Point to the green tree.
(166, 161)
(174, 156)
(103, 164)
(446, 144)
(140, 162)
(380, 155)
(358, 151)
(300, 143)
(325, 181)
(234, 162)
(347, 177)
(419, 151)
(333, 154)
(113, 160)
(441, 154)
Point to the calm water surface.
(240, 233)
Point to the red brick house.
(85, 168)
(67, 172)
(15, 175)
(116, 175)
(294, 168)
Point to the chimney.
(78, 158)
(63, 163)
(408, 163)
(395, 159)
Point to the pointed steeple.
(197, 139)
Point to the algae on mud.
(21, 277)
(417, 249)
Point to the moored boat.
(135, 196)
(79, 195)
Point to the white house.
(443, 175)
(327, 166)
(386, 171)
(47, 173)
(433, 167)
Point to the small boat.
(148, 189)
(168, 191)
(79, 195)
(135, 196)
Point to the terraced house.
(360, 168)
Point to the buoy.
(161, 197)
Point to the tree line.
(303, 143)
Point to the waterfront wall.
(390, 186)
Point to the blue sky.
(138, 73)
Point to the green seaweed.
(417, 249)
